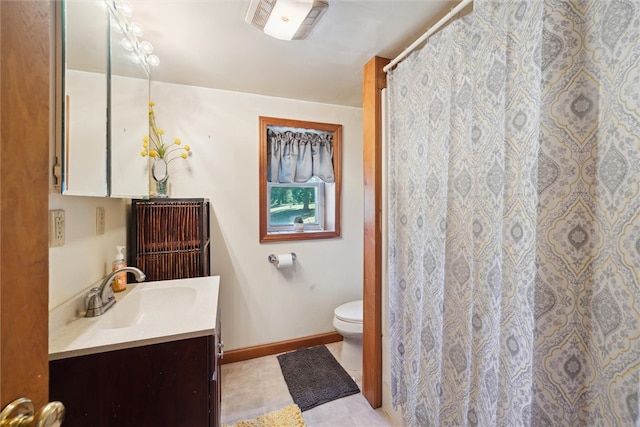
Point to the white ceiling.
(207, 43)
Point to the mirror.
(128, 121)
(300, 179)
(84, 35)
(104, 111)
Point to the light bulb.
(135, 58)
(125, 8)
(146, 47)
(136, 29)
(153, 60)
(117, 27)
(126, 44)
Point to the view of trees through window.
(287, 202)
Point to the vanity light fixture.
(140, 51)
(286, 19)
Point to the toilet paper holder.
(273, 259)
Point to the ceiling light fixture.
(140, 51)
(286, 19)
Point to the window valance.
(298, 155)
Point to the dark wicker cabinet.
(169, 238)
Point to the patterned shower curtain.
(514, 218)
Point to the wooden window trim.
(336, 129)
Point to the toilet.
(347, 320)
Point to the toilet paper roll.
(284, 261)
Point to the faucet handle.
(93, 300)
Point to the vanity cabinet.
(168, 384)
(169, 238)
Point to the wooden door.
(25, 46)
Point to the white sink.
(147, 313)
(152, 305)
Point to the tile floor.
(255, 387)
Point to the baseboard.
(279, 347)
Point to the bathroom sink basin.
(146, 313)
(149, 305)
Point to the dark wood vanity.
(175, 383)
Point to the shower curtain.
(514, 218)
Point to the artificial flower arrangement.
(155, 147)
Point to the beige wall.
(259, 304)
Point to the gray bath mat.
(315, 377)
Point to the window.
(290, 201)
(300, 177)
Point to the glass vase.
(160, 174)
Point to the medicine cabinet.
(101, 108)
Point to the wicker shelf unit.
(169, 238)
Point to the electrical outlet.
(56, 228)
(100, 220)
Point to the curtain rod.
(430, 31)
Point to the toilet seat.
(350, 312)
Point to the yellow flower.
(154, 145)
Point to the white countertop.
(192, 315)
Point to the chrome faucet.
(101, 299)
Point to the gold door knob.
(51, 415)
(18, 413)
(21, 413)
